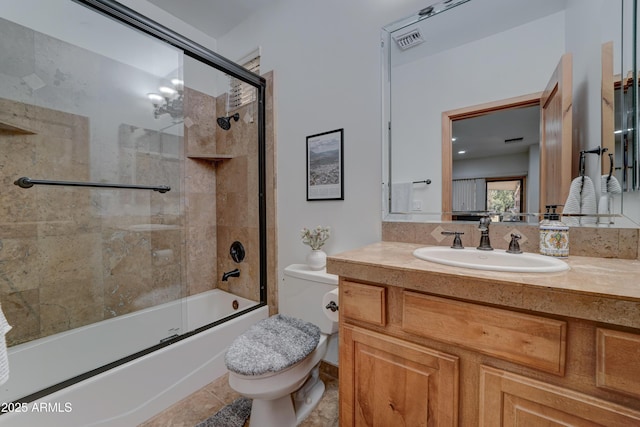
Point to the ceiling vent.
(513, 140)
(410, 39)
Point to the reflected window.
(505, 196)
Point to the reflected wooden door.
(558, 164)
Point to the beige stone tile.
(201, 132)
(628, 243)
(21, 262)
(199, 177)
(587, 241)
(22, 230)
(188, 412)
(70, 257)
(201, 264)
(326, 413)
(127, 252)
(22, 310)
(70, 304)
(222, 390)
(247, 284)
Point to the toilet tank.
(300, 295)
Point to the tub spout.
(233, 273)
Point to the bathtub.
(130, 393)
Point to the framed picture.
(325, 166)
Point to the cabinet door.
(508, 399)
(386, 382)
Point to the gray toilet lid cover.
(271, 345)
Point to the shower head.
(225, 122)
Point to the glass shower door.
(91, 211)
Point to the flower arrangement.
(315, 237)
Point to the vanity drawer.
(528, 340)
(363, 302)
(618, 356)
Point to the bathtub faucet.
(234, 273)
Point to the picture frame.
(325, 166)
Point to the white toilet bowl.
(277, 363)
(273, 404)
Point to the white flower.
(315, 237)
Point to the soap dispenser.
(554, 234)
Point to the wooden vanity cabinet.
(386, 381)
(410, 358)
(508, 399)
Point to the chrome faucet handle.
(457, 242)
(514, 245)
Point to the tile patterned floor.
(211, 398)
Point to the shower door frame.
(200, 53)
(133, 19)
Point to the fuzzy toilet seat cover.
(271, 345)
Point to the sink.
(496, 260)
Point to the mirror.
(494, 172)
(471, 59)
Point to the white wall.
(326, 58)
(164, 18)
(491, 167)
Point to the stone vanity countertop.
(598, 289)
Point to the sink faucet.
(485, 243)
(514, 246)
(457, 242)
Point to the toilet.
(276, 362)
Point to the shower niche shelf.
(210, 157)
(8, 129)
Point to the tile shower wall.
(200, 132)
(214, 222)
(237, 198)
(68, 256)
(37, 245)
(72, 257)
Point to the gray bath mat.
(234, 414)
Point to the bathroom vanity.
(428, 344)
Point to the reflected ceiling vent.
(513, 140)
(410, 39)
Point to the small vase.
(317, 259)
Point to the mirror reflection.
(547, 58)
(496, 159)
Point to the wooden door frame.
(466, 113)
